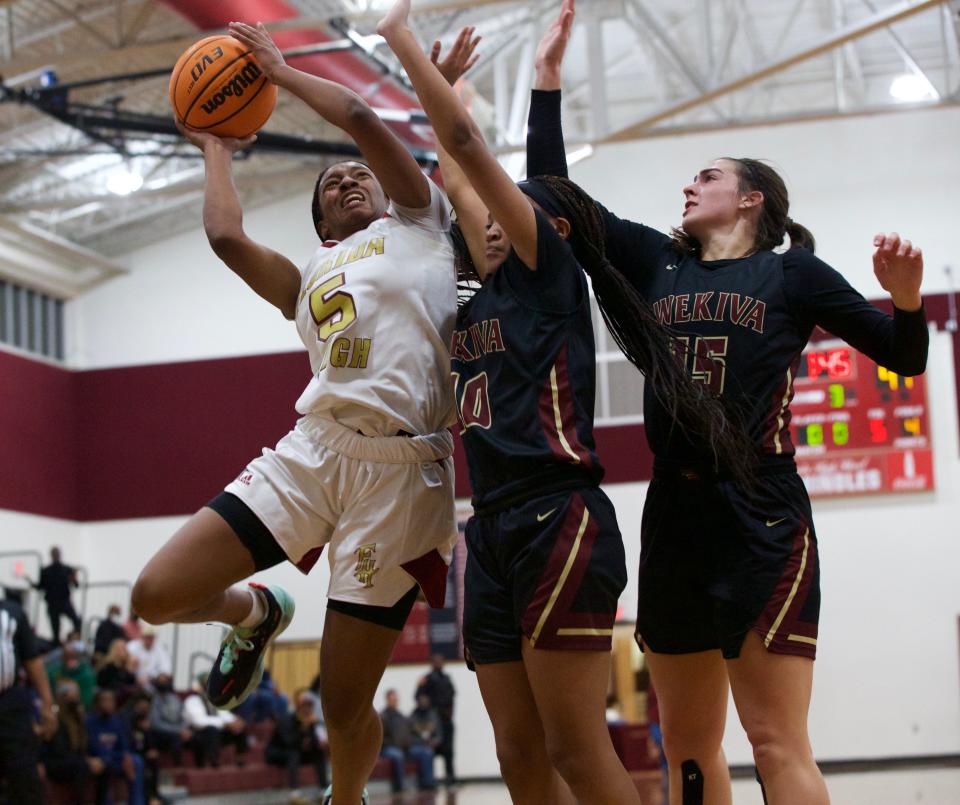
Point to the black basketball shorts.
(716, 563)
(550, 569)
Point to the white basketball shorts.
(382, 506)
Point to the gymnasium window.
(31, 321)
(619, 383)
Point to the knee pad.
(692, 783)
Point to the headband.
(539, 193)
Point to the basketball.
(217, 86)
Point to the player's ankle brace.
(692, 783)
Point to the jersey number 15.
(706, 360)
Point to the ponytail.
(643, 339)
(800, 236)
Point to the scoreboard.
(859, 428)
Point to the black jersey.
(743, 322)
(524, 368)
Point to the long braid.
(647, 344)
(468, 279)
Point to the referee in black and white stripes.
(19, 735)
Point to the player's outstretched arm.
(394, 166)
(461, 138)
(546, 154)
(552, 47)
(270, 274)
(471, 212)
(898, 265)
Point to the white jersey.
(376, 313)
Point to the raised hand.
(459, 58)
(552, 47)
(898, 266)
(395, 19)
(203, 139)
(261, 44)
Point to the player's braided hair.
(644, 340)
(468, 279)
(774, 223)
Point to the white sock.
(258, 611)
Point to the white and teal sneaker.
(328, 797)
(239, 666)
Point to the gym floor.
(930, 786)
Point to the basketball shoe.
(239, 666)
(328, 797)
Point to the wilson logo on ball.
(234, 88)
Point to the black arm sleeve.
(631, 247)
(823, 297)
(546, 155)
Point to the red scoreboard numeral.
(878, 431)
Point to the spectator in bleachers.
(57, 581)
(425, 724)
(265, 703)
(73, 664)
(109, 740)
(212, 728)
(438, 686)
(132, 627)
(399, 746)
(116, 671)
(65, 756)
(168, 727)
(298, 739)
(19, 747)
(151, 656)
(109, 629)
(137, 721)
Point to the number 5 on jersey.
(473, 403)
(332, 310)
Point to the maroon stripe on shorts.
(790, 635)
(430, 572)
(309, 559)
(559, 614)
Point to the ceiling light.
(911, 87)
(124, 182)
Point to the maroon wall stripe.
(38, 445)
(162, 439)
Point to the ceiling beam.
(785, 119)
(905, 54)
(850, 33)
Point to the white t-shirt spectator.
(198, 714)
(152, 661)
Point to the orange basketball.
(217, 86)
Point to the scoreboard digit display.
(859, 428)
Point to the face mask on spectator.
(78, 646)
